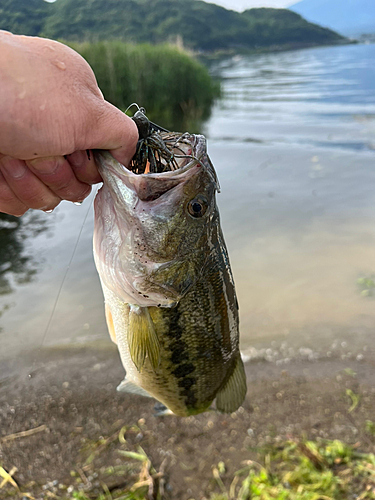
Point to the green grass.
(303, 471)
(176, 90)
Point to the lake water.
(293, 142)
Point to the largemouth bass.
(170, 300)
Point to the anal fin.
(129, 387)
(232, 394)
(142, 338)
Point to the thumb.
(115, 131)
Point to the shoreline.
(214, 56)
(72, 398)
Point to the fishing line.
(63, 280)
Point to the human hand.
(51, 113)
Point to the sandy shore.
(72, 402)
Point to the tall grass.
(176, 90)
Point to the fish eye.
(197, 207)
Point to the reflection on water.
(293, 142)
(17, 265)
(63, 301)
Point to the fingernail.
(13, 167)
(82, 197)
(47, 165)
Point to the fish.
(170, 299)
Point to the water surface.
(293, 142)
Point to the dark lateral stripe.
(186, 385)
(183, 370)
(180, 358)
(179, 352)
(186, 382)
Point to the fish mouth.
(189, 153)
(185, 155)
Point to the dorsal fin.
(233, 393)
(142, 338)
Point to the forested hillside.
(26, 17)
(282, 27)
(201, 26)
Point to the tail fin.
(233, 393)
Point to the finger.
(26, 186)
(113, 131)
(56, 173)
(84, 167)
(9, 203)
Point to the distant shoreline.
(221, 54)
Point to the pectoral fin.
(233, 393)
(142, 338)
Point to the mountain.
(201, 26)
(350, 17)
(283, 27)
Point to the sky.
(241, 5)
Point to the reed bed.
(176, 90)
